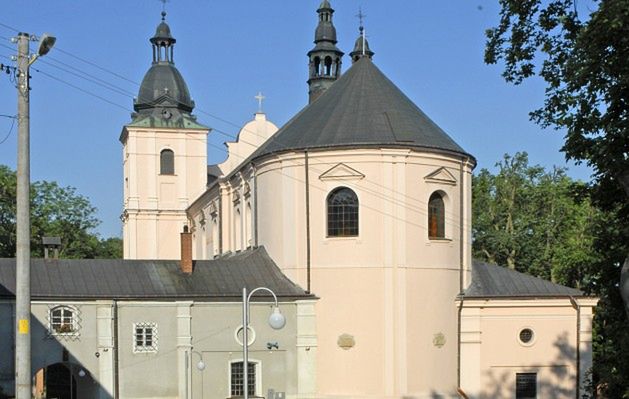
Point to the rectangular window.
(526, 386)
(144, 337)
(237, 373)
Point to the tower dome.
(163, 98)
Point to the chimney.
(51, 244)
(186, 251)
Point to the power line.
(127, 93)
(10, 129)
(96, 66)
(10, 27)
(81, 89)
(89, 78)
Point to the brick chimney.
(186, 251)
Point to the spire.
(325, 57)
(361, 47)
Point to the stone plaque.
(439, 340)
(346, 341)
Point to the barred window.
(436, 216)
(237, 376)
(342, 213)
(144, 337)
(167, 162)
(526, 386)
(62, 320)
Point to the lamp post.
(200, 366)
(23, 217)
(276, 321)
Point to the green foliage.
(55, 211)
(533, 221)
(584, 64)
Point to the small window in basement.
(526, 386)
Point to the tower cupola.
(163, 98)
(325, 57)
(163, 42)
(361, 47)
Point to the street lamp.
(200, 366)
(277, 321)
(23, 217)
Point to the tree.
(55, 211)
(533, 221)
(583, 62)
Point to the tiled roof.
(221, 279)
(497, 281)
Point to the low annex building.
(360, 199)
(138, 328)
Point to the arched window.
(436, 216)
(317, 66)
(62, 320)
(167, 162)
(342, 213)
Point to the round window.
(526, 336)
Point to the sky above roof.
(228, 51)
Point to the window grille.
(237, 375)
(62, 320)
(526, 386)
(342, 213)
(144, 337)
(526, 335)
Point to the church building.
(362, 200)
(362, 204)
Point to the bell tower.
(325, 57)
(164, 157)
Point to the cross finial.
(360, 17)
(260, 98)
(163, 8)
(361, 28)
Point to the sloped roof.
(363, 108)
(221, 279)
(497, 281)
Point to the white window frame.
(258, 376)
(154, 338)
(73, 322)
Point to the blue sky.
(228, 51)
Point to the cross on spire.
(361, 17)
(260, 98)
(164, 8)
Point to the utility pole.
(23, 238)
(23, 220)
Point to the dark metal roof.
(362, 108)
(490, 281)
(221, 279)
(164, 79)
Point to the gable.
(441, 175)
(341, 172)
